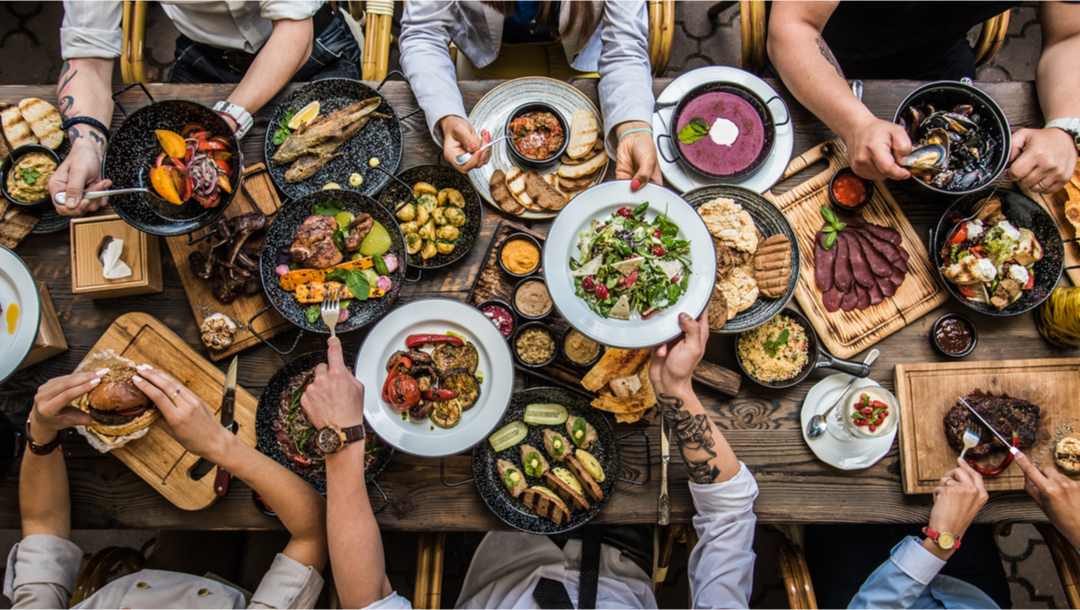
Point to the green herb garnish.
(312, 313)
(380, 265)
(833, 226)
(355, 281)
(29, 175)
(772, 346)
(282, 132)
(326, 209)
(693, 131)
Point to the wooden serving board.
(157, 458)
(927, 390)
(846, 333)
(1055, 205)
(257, 193)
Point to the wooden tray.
(492, 283)
(1055, 205)
(927, 390)
(846, 333)
(257, 193)
(157, 458)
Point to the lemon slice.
(306, 115)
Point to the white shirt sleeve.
(391, 602)
(41, 571)
(625, 87)
(297, 10)
(722, 563)
(288, 584)
(90, 29)
(425, 59)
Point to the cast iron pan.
(440, 177)
(275, 251)
(769, 221)
(511, 511)
(380, 138)
(1023, 213)
(266, 439)
(131, 154)
(818, 358)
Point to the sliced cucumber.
(508, 436)
(545, 414)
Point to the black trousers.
(841, 557)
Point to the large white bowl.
(600, 202)
(17, 287)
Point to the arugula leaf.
(283, 132)
(355, 281)
(325, 209)
(380, 265)
(693, 131)
(640, 210)
(772, 346)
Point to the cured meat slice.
(884, 233)
(886, 286)
(897, 278)
(863, 295)
(831, 299)
(896, 255)
(875, 294)
(823, 263)
(850, 300)
(878, 263)
(842, 265)
(860, 269)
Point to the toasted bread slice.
(616, 362)
(583, 134)
(515, 181)
(592, 488)
(16, 130)
(543, 193)
(44, 120)
(563, 482)
(500, 193)
(546, 503)
(590, 166)
(772, 265)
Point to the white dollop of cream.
(723, 132)
(1019, 273)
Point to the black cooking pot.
(944, 95)
(761, 107)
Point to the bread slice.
(564, 489)
(515, 181)
(500, 193)
(16, 130)
(772, 265)
(583, 134)
(44, 120)
(592, 488)
(545, 503)
(590, 166)
(543, 193)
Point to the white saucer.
(846, 455)
(682, 179)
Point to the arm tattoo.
(827, 53)
(67, 102)
(73, 133)
(694, 437)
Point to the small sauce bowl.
(950, 329)
(845, 187)
(534, 326)
(515, 237)
(12, 160)
(503, 305)
(520, 159)
(532, 281)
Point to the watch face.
(328, 441)
(946, 540)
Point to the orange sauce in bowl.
(12, 317)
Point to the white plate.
(853, 454)
(770, 171)
(16, 286)
(601, 201)
(436, 316)
(493, 109)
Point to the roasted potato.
(421, 188)
(409, 227)
(427, 231)
(413, 243)
(444, 247)
(454, 216)
(427, 201)
(439, 216)
(422, 215)
(406, 212)
(451, 196)
(448, 233)
(428, 251)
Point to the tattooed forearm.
(694, 437)
(75, 133)
(827, 53)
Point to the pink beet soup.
(728, 148)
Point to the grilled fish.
(336, 127)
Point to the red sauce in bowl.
(849, 190)
(537, 135)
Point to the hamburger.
(117, 407)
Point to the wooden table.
(762, 426)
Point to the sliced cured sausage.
(831, 299)
(860, 269)
(879, 265)
(842, 265)
(850, 300)
(886, 286)
(875, 294)
(884, 233)
(823, 263)
(863, 295)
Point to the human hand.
(957, 500)
(336, 397)
(52, 410)
(672, 365)
(1056, 494)
(79, 172)
(460, 137)
(1042, 160)
(635, 158)
(874, 145)
(187, 418)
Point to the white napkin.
(112, 267)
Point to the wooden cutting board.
(846, 333)
(1055, 205)
(927, 390)
(157, 458)
(257, 193)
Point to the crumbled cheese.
(974, 229)
(627, 266)
(670, 268)
(1019, 273)
(984, 269)
(1008, 229)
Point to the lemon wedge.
(306, 115)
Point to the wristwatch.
(37, 449)
(331, 440)
(946, 541)
(237, 113)
(1070, 125)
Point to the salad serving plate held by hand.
(621, 265)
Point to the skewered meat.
(1006, 414)
(358, 230)
(231, 265)
(314, 244)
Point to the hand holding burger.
(52, 411)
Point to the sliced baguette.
(16, 129)
(591, 166)
(44, 120)
(583, 134)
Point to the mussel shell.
(928, 157)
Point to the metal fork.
(971, 437)
(331, 311)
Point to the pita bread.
(616, 362)
(500, 193)
(44, 120)
(583, 134)
(728, 222)
(16, 129)
(543, 193)
(576, 184)
(590, 166)
(718, 309)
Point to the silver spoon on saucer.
(819, 422)
(61, 197)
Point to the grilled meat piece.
(314, 245)
(332, 127)
(1005, 413)
(358, 230)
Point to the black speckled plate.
(131, 154)
(769, 221)
(1023, 213)
(510, 510)
(266, 440)
(440, 178)
(380, 138)
(276, 245)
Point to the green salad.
(629, 264)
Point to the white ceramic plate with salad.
(621, 265)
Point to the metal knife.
(228, 402)
(663, 506)
(204, 466)
(1012, 450)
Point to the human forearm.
(356, 549)
(425, 60)
(708, 457)
(284, 53)
(44, 499)
(1056, 79)
(84, 90)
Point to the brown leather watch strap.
(37, 449)
(354, 433)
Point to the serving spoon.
(819, 422)
(464, 157)
(61, 197)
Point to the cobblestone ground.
(29, 30)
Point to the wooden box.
(141, 252)
(50, 339)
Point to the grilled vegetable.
(508, 436)
(533, 461)
(556, 445)
(545, 414)
(581, 432)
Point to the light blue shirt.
(910, 579)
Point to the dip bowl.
(13, 159)
(511, 146)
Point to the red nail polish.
(635, 184)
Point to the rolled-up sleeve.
(901, 580)
(288, 584)
(41, 571)
(722, 563)
(90, 29)
(625, 73)
(391, 602)
(274, 10)
(425, 60)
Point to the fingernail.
(137, 379)
(101, 372)
(143, 367)
(635, 184)
(95, 381)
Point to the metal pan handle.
(388, 75)
(385, 497)
(828, 361)
(266, 341)
(787, 113)
(412, 279)
(660, 149)
(123, 89)
(442, 476)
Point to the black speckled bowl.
(380, 138)
(440, 178)
(510, 510)
(131, 154)
(267, 412)
(280, 235)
